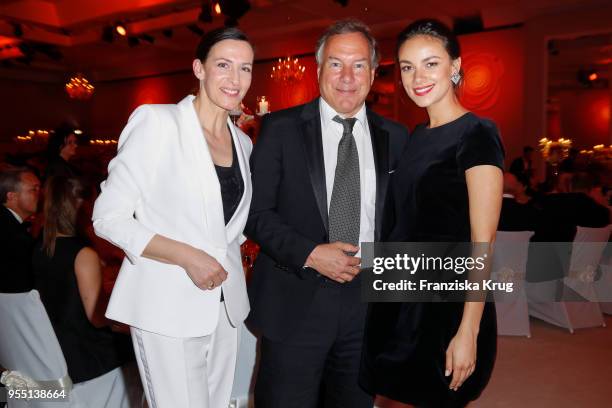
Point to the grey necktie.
(345, 204)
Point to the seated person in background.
(68, 276)
(19, 191)
(560, 214)
(563, 212)
(522, 167)
(515, 216)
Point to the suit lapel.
(313, 147)
(236, 223)
(199, 159)
(380, 146)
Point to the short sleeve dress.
(405, 343)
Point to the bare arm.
(89, 281)
(485, 188)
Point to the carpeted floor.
(552, 369)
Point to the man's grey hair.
(346, 27)
(10, 180)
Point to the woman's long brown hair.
(62, 202)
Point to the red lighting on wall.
(482, 80)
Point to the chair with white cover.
(28, 346)
(587, 249)
(30, 352)
(509, 265)
(603, 288)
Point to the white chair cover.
(246, 363)
(509, 265)
(28, 344)
(603, 288)
(106, 391)
(587, 249)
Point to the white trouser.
(193, 372)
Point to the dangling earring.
(456, 77)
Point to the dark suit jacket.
(563, 212)
(288, 216)
(517, 217)
(560, 215)
(16, 246)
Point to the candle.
(262, 106)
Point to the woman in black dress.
(69, 279)
(448, 188)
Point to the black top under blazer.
(288, 216)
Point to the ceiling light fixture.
(108, 34)
(121, 30)
(205, 15)
(195, 29)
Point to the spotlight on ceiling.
(195, 29)
(205, 13)
(17, 30)
(108, 34)
(148, 38)
(468, 25)
(168, 33)
(231, 22)
(234, 8)
(343, 3)
(217, 8)
(120, 29)
(587, 77)
(133, 41)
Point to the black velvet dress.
(405, 343)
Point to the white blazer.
(163, 181)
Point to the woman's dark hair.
(211, 38)
(62, 195)
(432, 28)
(57, 139)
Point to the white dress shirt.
(331, 135)
(17, 217)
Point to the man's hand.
(332, 261)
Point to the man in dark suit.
(515, 216)
(320, 178)
(563, 212)
(560, 214)
(19, 189)
(522, 167)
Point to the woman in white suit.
(176, 201)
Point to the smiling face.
(426, 69)
(346, 73)
(225, 76)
